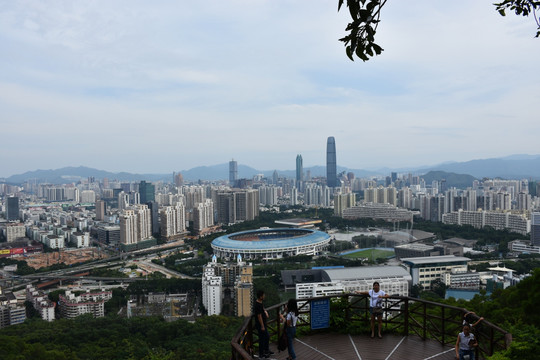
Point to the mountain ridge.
(517, 166)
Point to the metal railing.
(402, 315)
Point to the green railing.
(402, 315)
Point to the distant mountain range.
(511, 167)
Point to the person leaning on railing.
(375, 306)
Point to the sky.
(157, 87)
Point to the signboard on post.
(320, 314)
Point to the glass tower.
(299, 170)
(331, 168)
(147, 192)
(233, 171)
(12, 208)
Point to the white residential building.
(173, 220)
(80, 239)
(211, 289)
(72, 306)
(203, 215)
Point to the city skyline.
(147, 88)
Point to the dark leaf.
(369, 51)
(378, 50)
(349, 53)
(360, 53)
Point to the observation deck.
(412, 329)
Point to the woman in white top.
(291, 318)
(375, 306)
(465, 344)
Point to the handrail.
(409, 316)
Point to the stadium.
(270, 243)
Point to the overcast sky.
(157, 87)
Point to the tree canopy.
(365, 15)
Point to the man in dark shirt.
(260, 324)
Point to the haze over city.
(156, 88)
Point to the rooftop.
(435, 259)
(366, 272)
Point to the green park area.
(371, 254)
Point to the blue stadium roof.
(277, 238)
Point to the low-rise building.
(524, 247)
(425, 270)
(41, 303)
(72, 306)
(462, 280)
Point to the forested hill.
(515, 309)
(119, 338)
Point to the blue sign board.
(320, 314)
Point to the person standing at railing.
(291, 317)
(465, 344)
(375, 306)
(261, 316)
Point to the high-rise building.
(299, 171)
(233, 206)
(128, 227)
(178, 179)
(535, 229)
(147, 192)
(343, 201)
(203, 215)
(233, 171)
(211, 288)
(243, 289)
(101, 208)
(294, 196)
(173, 220)
(12, 208)
(275, 177)
(268, 195)
(88, 196)
(15, 231)
(123, 201)
(135, 225)
(154, 216)
(331, 165)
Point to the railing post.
(491, 342)
(424, 334)
(248, 345)
(406, 317)
(348, 309)
(443, 326)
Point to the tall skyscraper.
(275, 177)
(299, 170)
(147, 192)
(233, 171)
(331, 167)
(535, 228)
(101, 209)
(12, 208)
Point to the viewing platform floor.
(332, 346)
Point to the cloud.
(196, 83)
